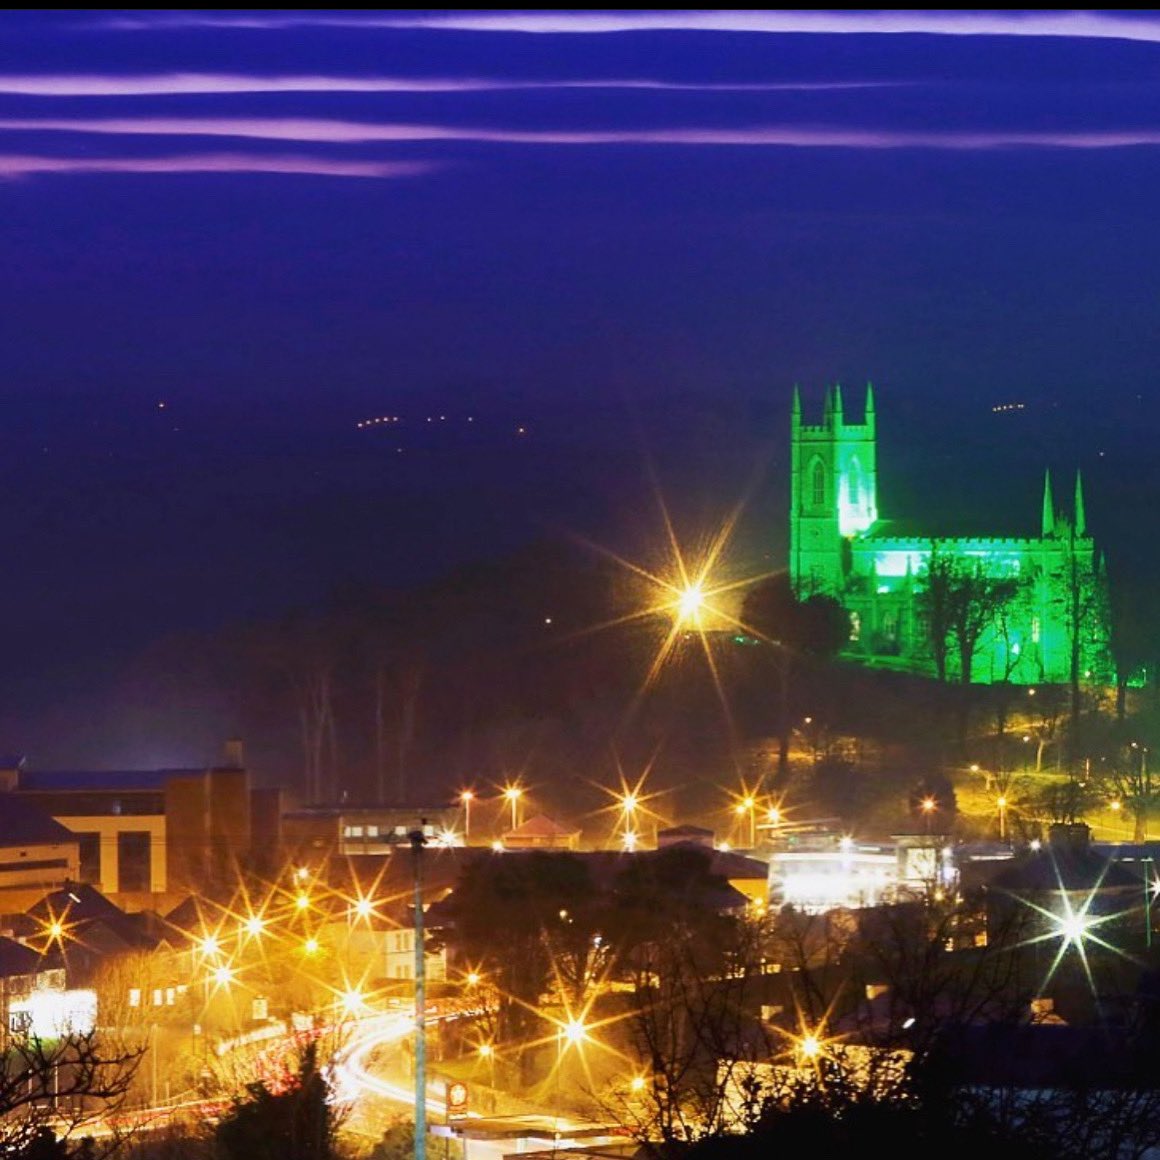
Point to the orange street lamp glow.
(56, 930)
(302, 901)
(473, 978)
(254, 925)
(223, 975)
(690, 601)
(513, 793)
(811, 1047)
(485, 1050)
(353, 1001)
(575, 1030)
(310, 946)
(209, 945)
(364, 908)
(636, 1084)
(466, 798)
(1115, 806)
(302, 873)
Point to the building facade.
(1052, 625)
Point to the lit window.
(134, 996)
(818, 484)
(372, 831)
(170, 996)
(157, 997)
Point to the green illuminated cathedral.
(1027, 609)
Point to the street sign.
(456, 1098)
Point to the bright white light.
(574, 1030)
(690, 602)
(364, 908)
(1073, 927)
(629, 841)
(255, 925)
(51, 1014)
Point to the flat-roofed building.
(144, 833)
(37, 854)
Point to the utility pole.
(418, 839)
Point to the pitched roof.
(23, 823)
(541, 826)
(16, 959)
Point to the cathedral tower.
(833, 490)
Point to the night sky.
(571, 262)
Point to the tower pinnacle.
(1048, 526)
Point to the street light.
(513, 793)
(418, 839)
(928, 806)
(1149, 893)
(467, 797)
(746, 806)
(1002, 803)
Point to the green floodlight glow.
(839, 546)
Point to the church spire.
(797, 405)
(1048, 527)
(1080, 517)
(838, 403)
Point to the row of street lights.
(510, 794)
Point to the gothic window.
(1035, 629)
(818, 483)
(854, 483)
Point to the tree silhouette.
(816, 627)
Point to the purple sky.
(231, 239)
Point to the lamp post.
(513, 794)
(747, 806)
(467, 797)
(418, 839)
(1149, 892)
(928, 806)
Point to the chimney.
(232, 754)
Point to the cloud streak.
(1087, 25)
(339, 132)
(15, 165)
(222, 84)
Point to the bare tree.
(961, 603)
(56, 1086)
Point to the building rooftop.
(23, 823)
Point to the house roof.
(24, 823)
(1054, 869)
(685, 831)
(732, 865)
(541, 826)
(16, 959)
